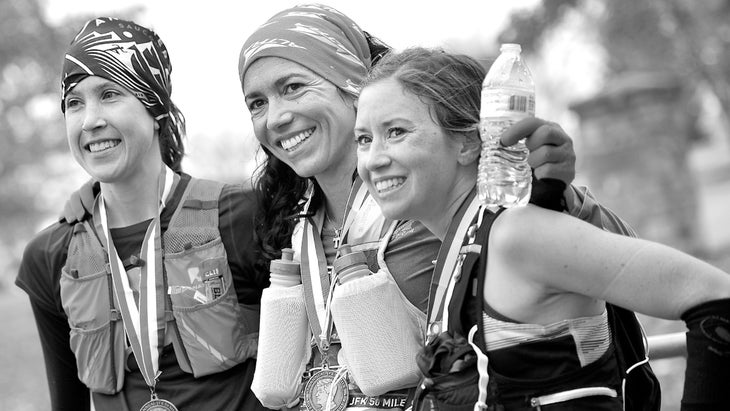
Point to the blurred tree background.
(33, 144)
(599, 42)
(661, 76)
(653, 141)
(688, 39)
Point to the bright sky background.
(204, 39)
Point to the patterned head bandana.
(319, 38)
(125, 53)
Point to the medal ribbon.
(142, 324)
(315, 275)
(447, 262)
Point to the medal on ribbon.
(156, 404)
(325, 389)
(142, 323)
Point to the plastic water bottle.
(508, 96)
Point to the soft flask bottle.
(380, 331)
(283, 349)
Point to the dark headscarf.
(136, 58)
(125, 53)
(316, 36)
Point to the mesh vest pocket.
(206, 308)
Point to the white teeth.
(102, 145)
(389, 184)
(290, 143)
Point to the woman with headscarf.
(541, 323)
(300, 73)
(151, 304)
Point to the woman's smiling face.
(410, 165)
(110, 133)
(300, 117)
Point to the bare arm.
(568, 255)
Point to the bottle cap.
(510, 46)
(348, 258)
(286, 264)
(287, 254)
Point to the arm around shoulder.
(237, 209)
(582, 204)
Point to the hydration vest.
(458, 388)
(210, 332)
(370, 233)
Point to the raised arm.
(567, 255)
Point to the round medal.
(158, 405)
(317, 392)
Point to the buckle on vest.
(115, 315)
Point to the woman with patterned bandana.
(152, 303)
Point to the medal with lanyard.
(448, 268)
(325, 389)
(142, 323)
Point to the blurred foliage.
(31, 53)
(34, 156)
(690, 40)
(32, 134)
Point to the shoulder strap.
(481, 275)
(466, 298)
(200, 195)
(641, 389)
(198, 207)
(195, 217)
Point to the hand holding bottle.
(551, 149)
(551, 158)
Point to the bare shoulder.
(519, 227)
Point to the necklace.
(338, 231)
